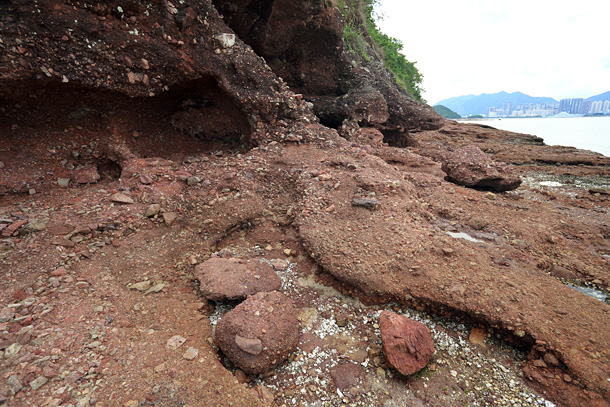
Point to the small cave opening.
(51, 130)
(329, 120)
(397, 138)
(108, 169)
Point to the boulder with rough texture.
(86, 175)
(471, 167)
(259, 333)
(407, 344)
(235, 279)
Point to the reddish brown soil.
(144, 97)
(398, 251)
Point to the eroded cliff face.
(249, 121)
(303, 42)
(144, 50)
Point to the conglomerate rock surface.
(154, 101)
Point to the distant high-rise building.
(576, 106)
(564, 105)
(586, 107)
(606, 107)
(596, 107)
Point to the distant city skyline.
(476, 46)
(572, 106)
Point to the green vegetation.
(360, 26)
(446, 112)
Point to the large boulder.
(471, 167)
(235, 279)
(407, 344)
(259, 333)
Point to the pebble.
(477, 337)
(447, 251)
(191, 353)
(38, 382)
(368, 203)
(175, 342)
(550, 359)
(58, 272)
(225, 40)
(190, 181)
(280, 265)
(141, 286)
(7, 314)
(152, 210)
(248, 345)
(169, 217)
(12, 350)
(600, 191)
(63, 182)
(14, 384)
(155, 288)
(341, 319)
(35, 225)
(146, 179)
(121, 198)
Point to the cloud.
(477, 46)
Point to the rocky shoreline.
(138, 145)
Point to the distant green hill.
(479, 104)
(446, 112)
(601, 96)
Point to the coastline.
(587, 132)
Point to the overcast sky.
(555, 48)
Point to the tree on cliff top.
(360, 23)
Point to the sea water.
(586, 133)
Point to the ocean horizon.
(586, 133)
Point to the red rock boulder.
(471, 167)
(407, 344)
(234, 279)
(259, 333)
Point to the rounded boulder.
(259, 333)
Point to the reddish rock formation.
(259, 333)
(471, 167)
(147, 93)
(234, 279)
(312, 57)
(407, 344)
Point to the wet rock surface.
(259, 333)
